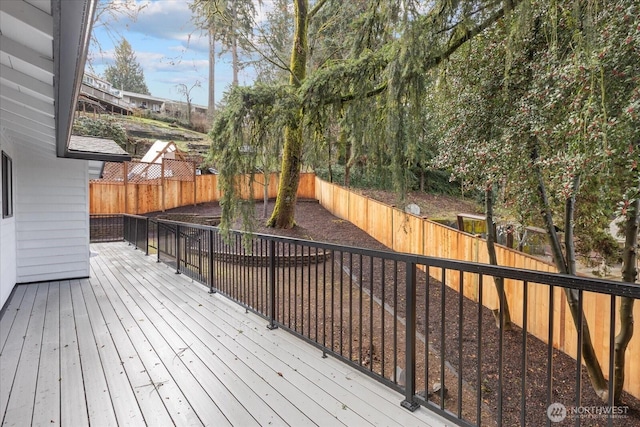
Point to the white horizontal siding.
(60, 245)
(52, 218)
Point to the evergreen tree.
(126, 73)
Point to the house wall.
(7, 236)
(51, 217)
(139, 102)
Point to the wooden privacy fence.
(138, 188)
(408, 233)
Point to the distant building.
(178, 109)
(98, 95)
(145, 102)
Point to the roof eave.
(85, 155)
(72, 27)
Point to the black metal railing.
(397, 318)
(136, 231)
(105, 228)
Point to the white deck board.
(47, 400)
(12, 348)
(185, 379)
(302, 355)
(160, 381)
(121, 391)
(225, 386)
(146, 394)
(21, 401)
(242, 377)
(95, 384)
(137, 344)
(73, 405)
(304, 392)
(10, 312)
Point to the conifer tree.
(126, 73)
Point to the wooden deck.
(137, 344)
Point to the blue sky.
(169, 48)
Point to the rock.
(401, 377)
(412, 208)
(437, 387)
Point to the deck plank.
(245, 379)
(360, 392)
(195, 394)
(161, 400)
(123, 398)
(96, 389)
(182, 343)
(367, 390)
(137, 344)
(11, 310)
(47, 402)
(20, 405)
(73, 405)
(13, 347)
(274, 362)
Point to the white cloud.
(166, 20)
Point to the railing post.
(158, 244)
(272, 285)
(146, 240)
(125, 229)
(410, 339)
(177, 248)
(212, 289)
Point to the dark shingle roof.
(90, 144)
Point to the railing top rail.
(136, 216)
(602, 286)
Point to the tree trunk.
(346, 143)
(493, 260)
(570, 248)
(329, 157)
(629, 274)
(265, 194)
(211, 103)
(589, 356)
(235, 63)
(547, 216)
(284, 211)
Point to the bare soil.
(460, 332)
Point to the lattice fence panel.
(144, 173)
(112, 173)
(147, 173)
(179, 170)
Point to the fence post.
(212, 289)
(272, 285)
(177, 248)
(195, 185)
(410, 339)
